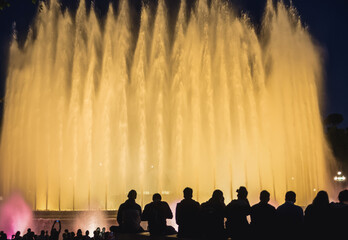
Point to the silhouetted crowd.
(215, 220)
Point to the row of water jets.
(94, 109)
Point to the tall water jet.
(15, 215)
(93, 110)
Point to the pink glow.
(15, 215)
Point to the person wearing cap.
(237, 210)
(129, 215)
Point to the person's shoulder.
(256, 205)
(270, 206)
(205, 204)
(309, 207)
(137, 205)
(298, 207)
(148, 205)
(190, 202)
(281, 206)
(234, 202)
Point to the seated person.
(129, 215)
(156, 214)
(187, 215)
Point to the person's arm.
(144, 215)
(53, 225)
(178, 214)
(60, 227)
(119, 215)
(169, 214)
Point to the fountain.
(96, 108)
(15, 215)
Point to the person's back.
(212, 216)
(339, 215)
(289, 217)
(187, 215)
(129, 215)
(317, 216)
(236, 213)
(157, 213)
(262, 216)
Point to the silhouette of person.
(262, 216)
(86, 236)
(129, 215)
(78, 235)
(54, 232)
(18, 236)
(236, 213)
(213, 216)
(156, 214)
(317, 216)
(3, 236)
(187, 215)
(29, 235)
(289, 217)
(41, 236)
(339, 217)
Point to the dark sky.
(326, 20)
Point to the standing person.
(187, 215)
(289, 217)
(213, 216)
(339, 215)
(54, 232)
(156, 213)
(317, 216)
(262, 216)
(236, 213)
(129, 215)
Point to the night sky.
(326, 21)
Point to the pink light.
(15, 215)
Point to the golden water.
(92, 112)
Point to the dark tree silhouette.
(6, 3)
(333, 119)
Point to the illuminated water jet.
(15, 215)
(91, 113)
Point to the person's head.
(322, 198)
(290, 196)
(18, 233)
(242, 193)
(218, 196)
(264, 196)
(156, 197)
(42, 233)
(188, 193)
(79, 232)
(132, 194)
(29, 230)
(343, 196)
(87, 233)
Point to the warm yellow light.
(93, 112)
